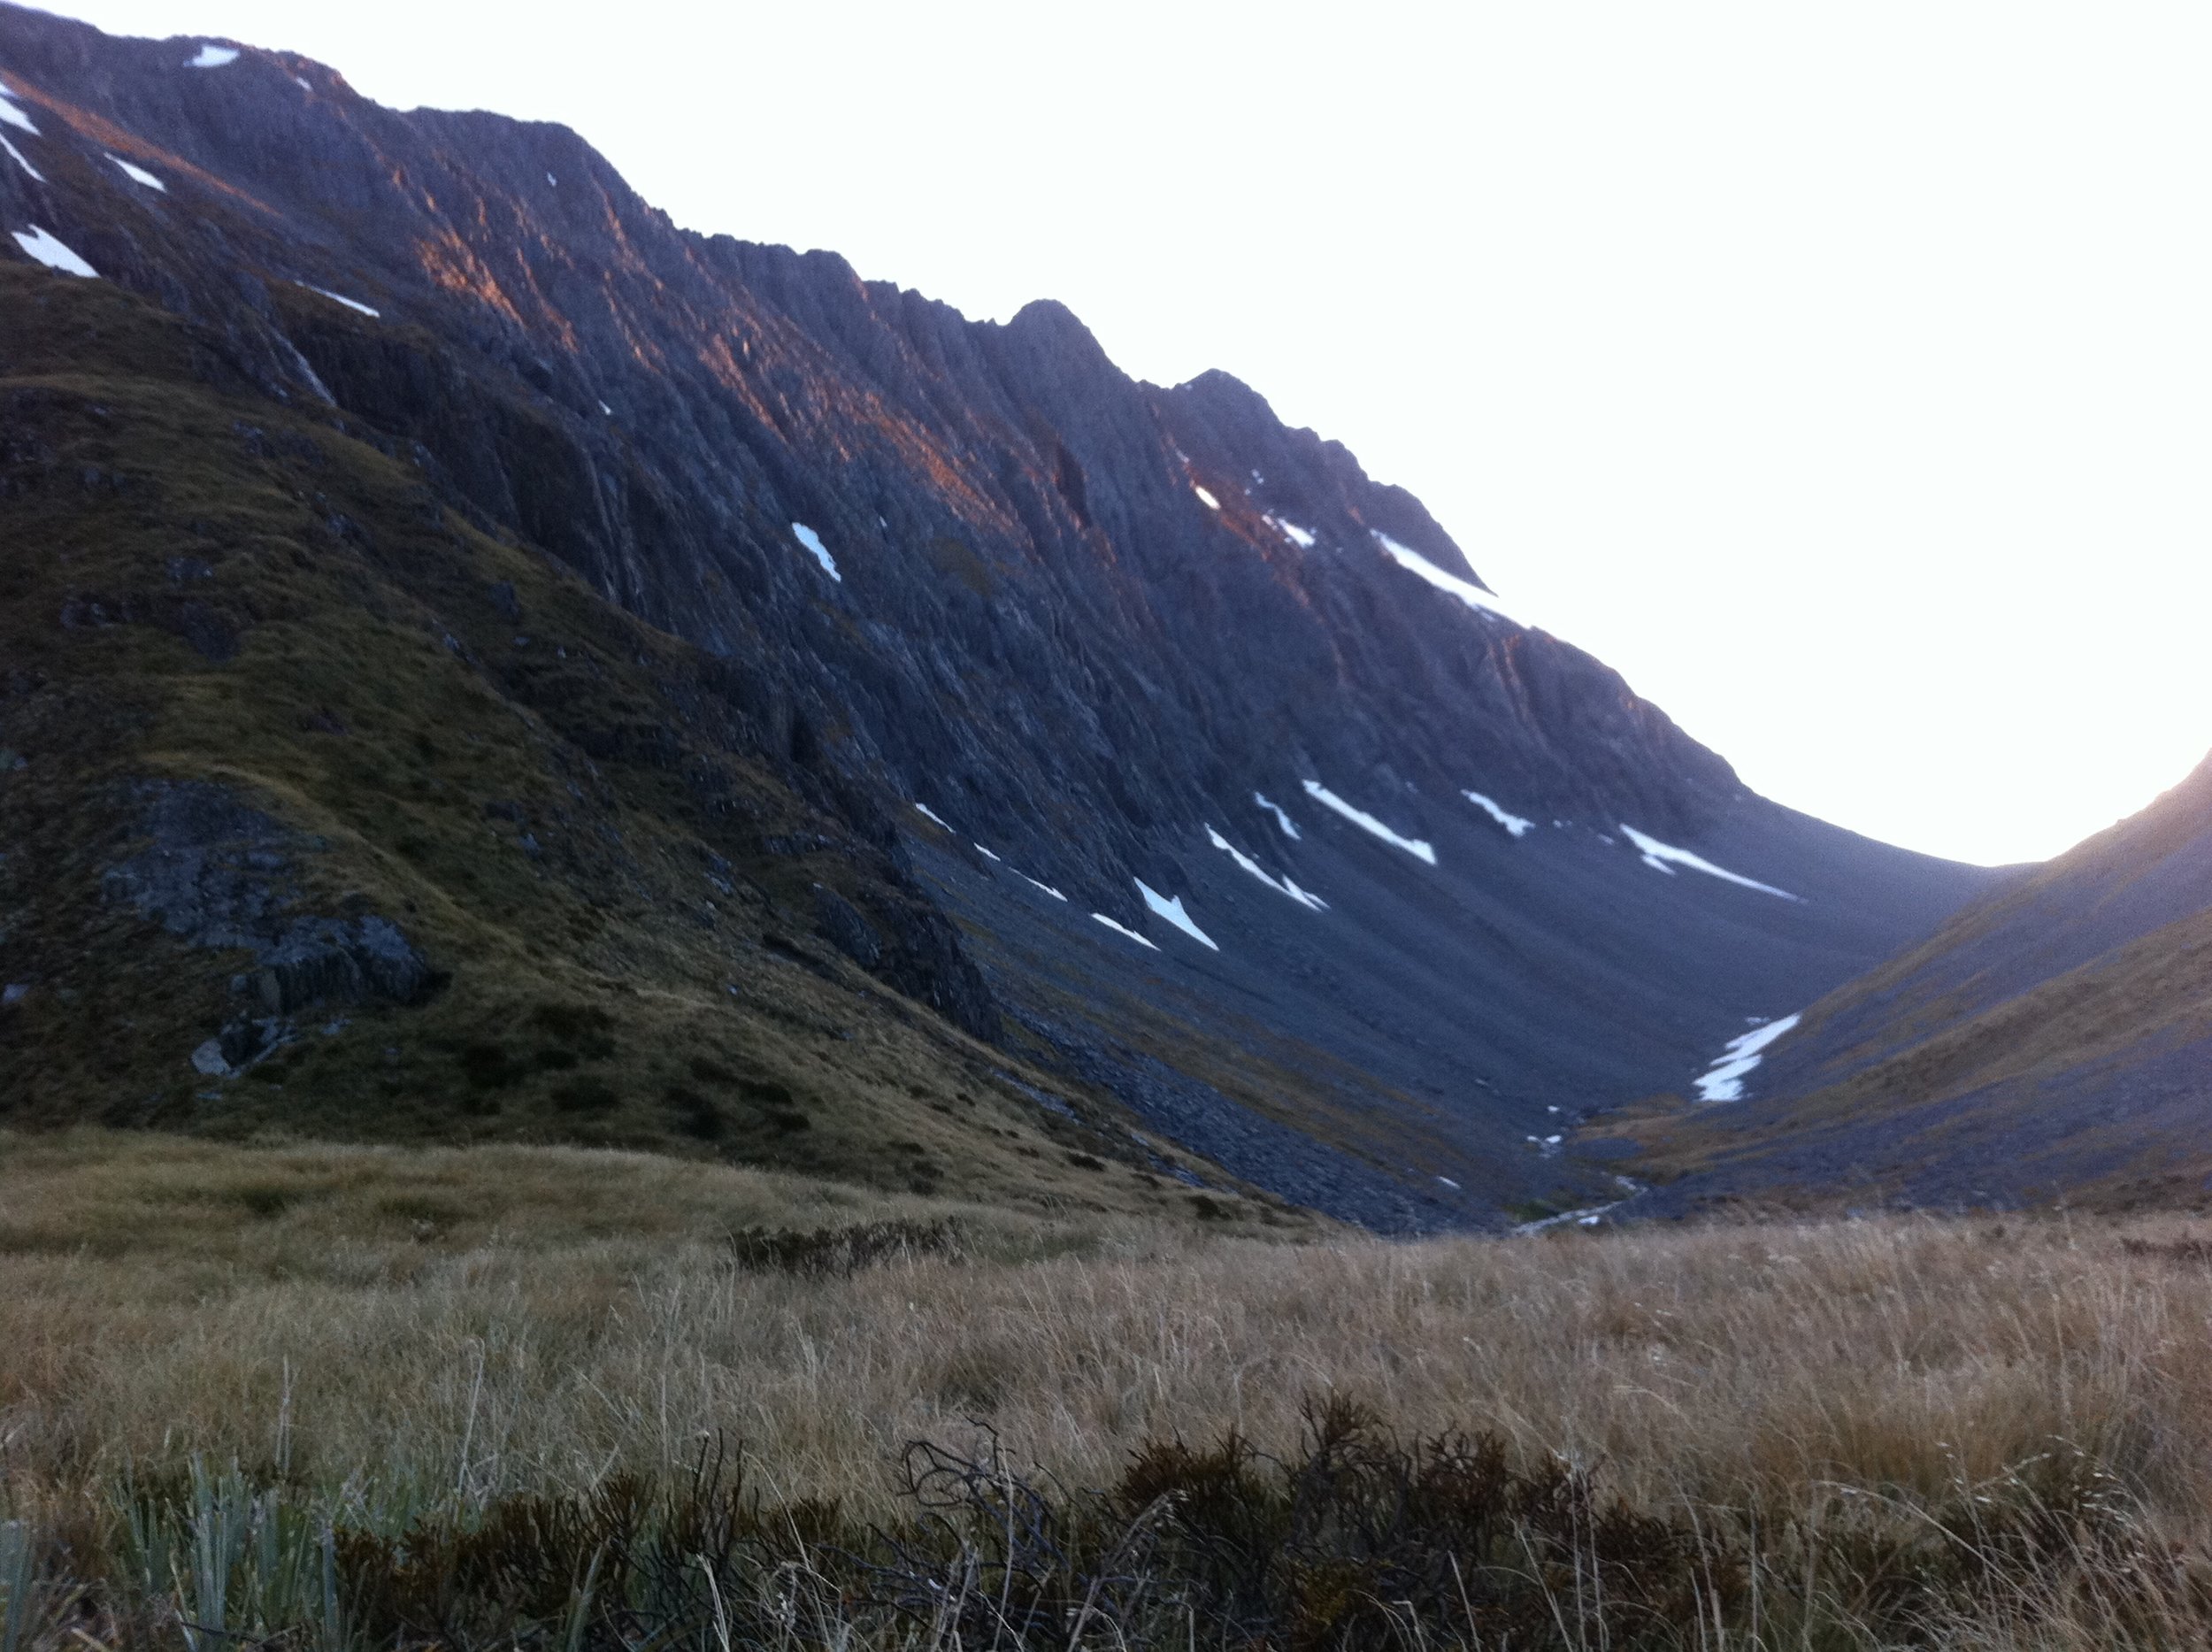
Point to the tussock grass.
(1864, 1432)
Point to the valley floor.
(310, 1391)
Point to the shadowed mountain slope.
(1156, 658)
(2052, 1039)
(325, 812)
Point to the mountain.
(1119, 729)
(2052, 1040)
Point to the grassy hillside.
(492, 1377)
(2049, 1042)
(324, 812)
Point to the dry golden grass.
(494, 1321)
(161, 1294)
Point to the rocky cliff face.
(1012, 520)
(1173, 661)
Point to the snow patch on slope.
(1513, 824)
(924, 808)
(1289, 826)
(1366, 822)
(1473, 595)
(813, 541)
(1281, 886)
(1724, 1081)
(1302, 537)
(10, 116)
(139, 174)
(1657, 855)
(20, 161)
(213, 57)
(42, 245)
(1205, 498)
(1173, 910)
(1122, 929)
(351, 304)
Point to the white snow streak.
(926, 810)
(42, 245)
(986, 853)
(1724, 1081)
(1366, 822)
(139, 174)
(1302, 537)
(1289, 826)
(351, 304)
(1047, 887)
(1282, 886)
(1122, 929)
(1414, 562)
(813, 541)
(213, 57)
(1173, 910)
(10, 116)
(1205, 498)
(1513, 824)
(1656, 854)
(20, 161)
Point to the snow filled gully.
(43, 245)
(1281, 886)
(1665, 858)
(996, 859)
(1723, 1080)
(1366, 822)
(1514, 824)
(1173, 910)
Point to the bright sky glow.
(1842, 374)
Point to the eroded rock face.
(214, 871)
(321, 960)
(1036, 616)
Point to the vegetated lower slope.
(1121, 639)
(324, 811)
(513, 1396)
(2053, 1040)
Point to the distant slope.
(1089, 622)
(2054, 1039)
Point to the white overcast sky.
(1842, 374)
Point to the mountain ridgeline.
(483, 661)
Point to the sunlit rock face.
(1090, 622)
